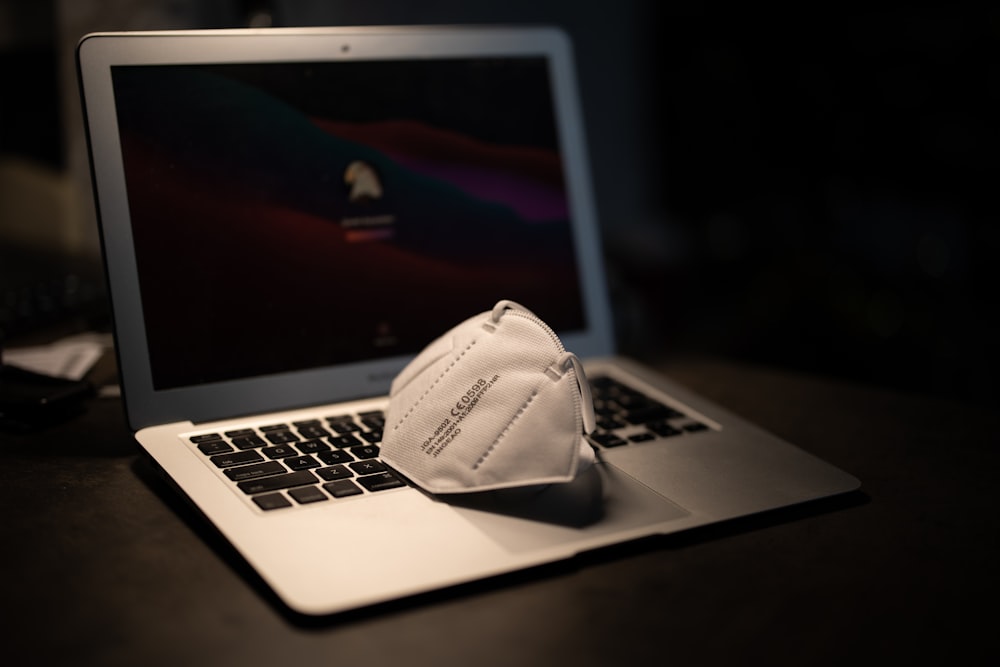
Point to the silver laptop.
(289, 215)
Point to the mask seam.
(433, 384)
(503, 433)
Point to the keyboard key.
(248, 441)
(271, 501)
(632, 400)
(607, 439)
(279, 451)
(239, 433)
(365, 452)
(649, 413)
(368, 467)
(347, 440)
(313, 431)
(214, 447)
(344, 426)
(313, 446)
(373, 420)
(274, 427)
(308, 494)
(642, 437)
(609, 424)
(300, 462)
(603, 409)
(381, 482)
(374, 437)
(205, 437)
(281, 437)
(335, 456)
(602, 382)
(243, 473)
(235, 459)
(663, 429)
(334, 472)
(695, 427)
(286, 481)
(342, 488)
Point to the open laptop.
(288, 216)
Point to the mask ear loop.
(567, 360)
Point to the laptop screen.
(295, 215)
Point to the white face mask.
(494, 403)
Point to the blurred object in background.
(49, 269)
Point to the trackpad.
(601, 501)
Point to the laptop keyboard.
(304, 461)
(625, 416)
(282, 465)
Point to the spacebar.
(277, 482)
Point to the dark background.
(836, 175)
(812, 191)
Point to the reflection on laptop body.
(288, 216)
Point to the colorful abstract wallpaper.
(288, 216)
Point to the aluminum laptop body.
(289, 215)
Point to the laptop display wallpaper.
(294, 215)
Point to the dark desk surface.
(103, 565)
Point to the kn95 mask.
(494, 403)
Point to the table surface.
(103, 564)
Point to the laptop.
(289, 215)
